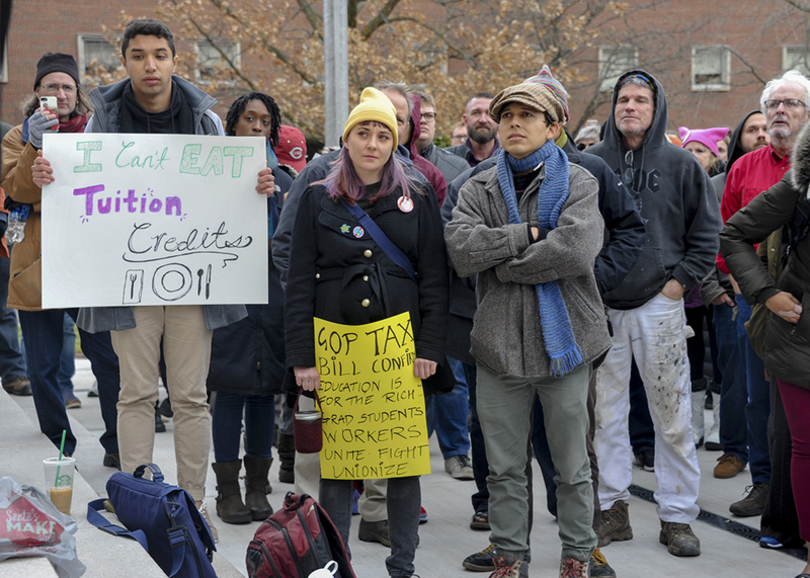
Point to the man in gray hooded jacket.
(682, 220)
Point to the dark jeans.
(12, 362)
(43, 333)
(404, 499)
(696, 346)
(67, 364)
(480, 499)
(260, 415)
(733, 394)
(448, 415)
(758, 407)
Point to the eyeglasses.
(627, 175)
(429, 116)
(55, 88)
(790, 104)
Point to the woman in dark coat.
(787, 340)
(247, 357)
(338, 273)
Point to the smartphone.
(49, 102)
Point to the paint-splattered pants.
(655, 335)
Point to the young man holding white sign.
(154, 101)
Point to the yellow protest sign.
(373, 406)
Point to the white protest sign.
(140, 219)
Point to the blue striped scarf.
(561, 345)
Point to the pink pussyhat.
(706, 136)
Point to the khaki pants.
(187, 351)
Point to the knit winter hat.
(292, 147)
(534, 94)
(545, 77)
(57, 62)
(589, 131)
(707, 137)
(374, 105)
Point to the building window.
(613, 62)
(710, 68)
(796, 58)
(98, 59)
(213, 60)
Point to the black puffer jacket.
(787, 345)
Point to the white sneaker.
(459, 467)
(204, 511)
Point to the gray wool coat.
(507, 336)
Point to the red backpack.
(295, 541)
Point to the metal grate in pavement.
(723, 523)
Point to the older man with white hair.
(785, 103)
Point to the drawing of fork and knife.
(207, 282)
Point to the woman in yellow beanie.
(338, 272)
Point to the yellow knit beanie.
(374, 105)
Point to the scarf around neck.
(558, 336)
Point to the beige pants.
(187, 351)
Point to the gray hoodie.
(677, 204)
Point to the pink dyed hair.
(342, 182)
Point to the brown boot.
(257, 487)
(286, 454)
(229, 497)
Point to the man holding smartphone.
(58, 104)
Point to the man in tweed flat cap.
(530, 228)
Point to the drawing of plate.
(172, 281)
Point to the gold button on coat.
(365, 278)
(365, 303)
(367, 253)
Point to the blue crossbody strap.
(177, 534)
(102, 523)
(388, 247)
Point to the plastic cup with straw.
(61, 471)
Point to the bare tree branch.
(227, 57)
(380, 19)
(267, 45)
(315, 20)
(751, 68)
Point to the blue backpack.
(162, 518)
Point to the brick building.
(711, 58)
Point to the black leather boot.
(257, 487)
(286, 454)
(229, 497)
